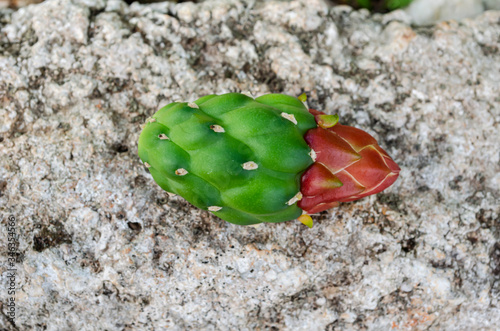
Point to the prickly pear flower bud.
(349, 165)
(240, 157)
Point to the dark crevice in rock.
(51, 235)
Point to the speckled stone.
(102, 247)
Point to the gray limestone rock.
(101, 246)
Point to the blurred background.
(422, 12)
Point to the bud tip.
(327, 121)
(306, 220)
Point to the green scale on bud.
(238, 157)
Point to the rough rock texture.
(101, 246)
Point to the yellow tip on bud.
(302, 97)
(306, 220)
(327, 121)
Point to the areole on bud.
(250, 165)
(296, 197)
(217, 128)
(253, 166)
(181, 172)
(289, 117)
(163, 136)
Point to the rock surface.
(101, 246)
